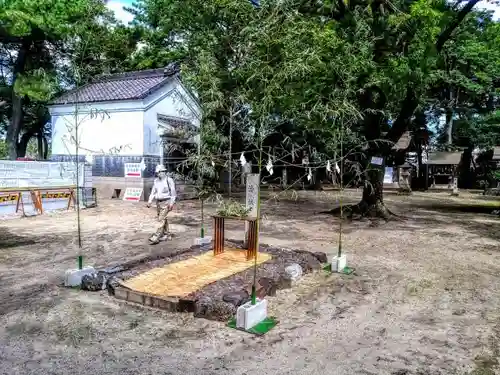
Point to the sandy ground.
(425, 299)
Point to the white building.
(119, 118)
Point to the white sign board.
(36, 174)
(252, 193)
(388, 175)
(377, 160)
(132, 194)
(132, 169)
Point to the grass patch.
(25, 328)
(416, 288)
(76, 334)
(485, 365)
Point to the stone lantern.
(404, 173)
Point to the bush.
(3, 150)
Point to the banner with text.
(132, 169)
(38, 174)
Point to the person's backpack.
(168, 184)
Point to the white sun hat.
(160, 168)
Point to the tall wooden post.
(218, 235)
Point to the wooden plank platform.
(182, 278)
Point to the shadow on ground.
(34, 297)
(471, 218)
(457, 208)
(10, 240)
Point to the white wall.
(191, 102)
(171, 100)
(110, 128)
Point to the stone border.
(206, 306)
(186, 305)
(169, 304)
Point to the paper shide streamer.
(243, 161)
(269, 167)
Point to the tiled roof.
(444, 158)
(174, 122)
(121, 86)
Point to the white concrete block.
(339, 263)
(202, 241)
(74, 277)
(248, 315)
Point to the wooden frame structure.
(219, 229)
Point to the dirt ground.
(425, 299)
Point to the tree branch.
(410, 102)
(446, 33)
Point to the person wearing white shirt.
(164, 194)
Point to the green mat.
(345, 271)
(260, 329)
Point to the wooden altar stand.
(219, 223)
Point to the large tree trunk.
(45, 147)
(23, 144)
(40, 145)
(372, 203)
(450, 113)
(420, 164)
(465, 174)
(14, 128)
(449, 126)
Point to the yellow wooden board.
(187, 276)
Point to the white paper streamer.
(309, 175)
(269, 166)
(337, 168)
(328, 166)
(243, 160)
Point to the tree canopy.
(42, 46)
(371, 68)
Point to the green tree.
(399, 47)
(321, 67)
(3, 149)
(466, 81)
(207, 37)
(39, 41)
